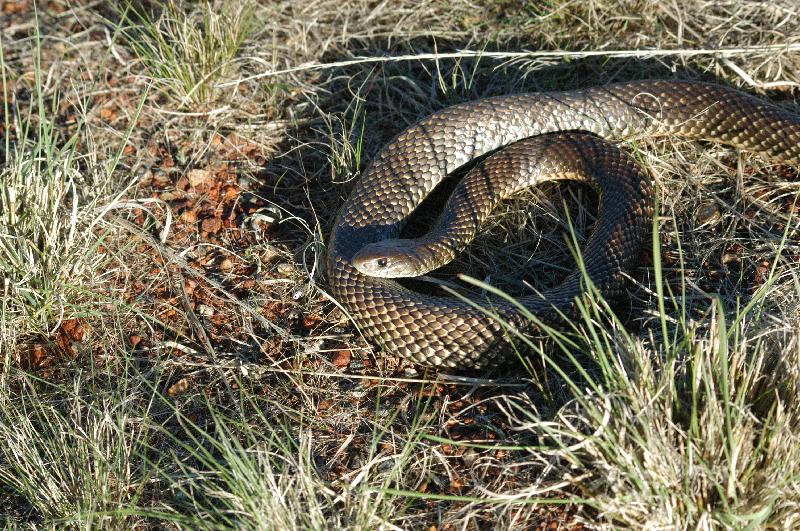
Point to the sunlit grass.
(52, 198)
(695, 427)
(74, 453)
(187, 49)
(260, 469)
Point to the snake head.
(389, 259)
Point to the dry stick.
(554, 54)
(441, 378)
(201, 333)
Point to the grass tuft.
(188, 49)
(70, 458)
(697, 432)
(51, 197)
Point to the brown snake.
(444, 331)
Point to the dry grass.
(170, 357)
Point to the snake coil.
(545, 137)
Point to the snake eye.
(382, 262)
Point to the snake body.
(543, 136)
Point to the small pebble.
(708, 213)
(285, 269)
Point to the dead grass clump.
(72, 457)
(52, 200)
(187, 49)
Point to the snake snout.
(386, 259)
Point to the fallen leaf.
(341, 358)
(197, 177)
(456, 485)
(179, 387)
(76, 329)
(226, 264)
(108, 113)
(36, 357)
(189, 216)
(70, 333)
(310, 321)
(211, 225)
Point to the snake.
(520, 140)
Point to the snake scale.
(545, 135)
